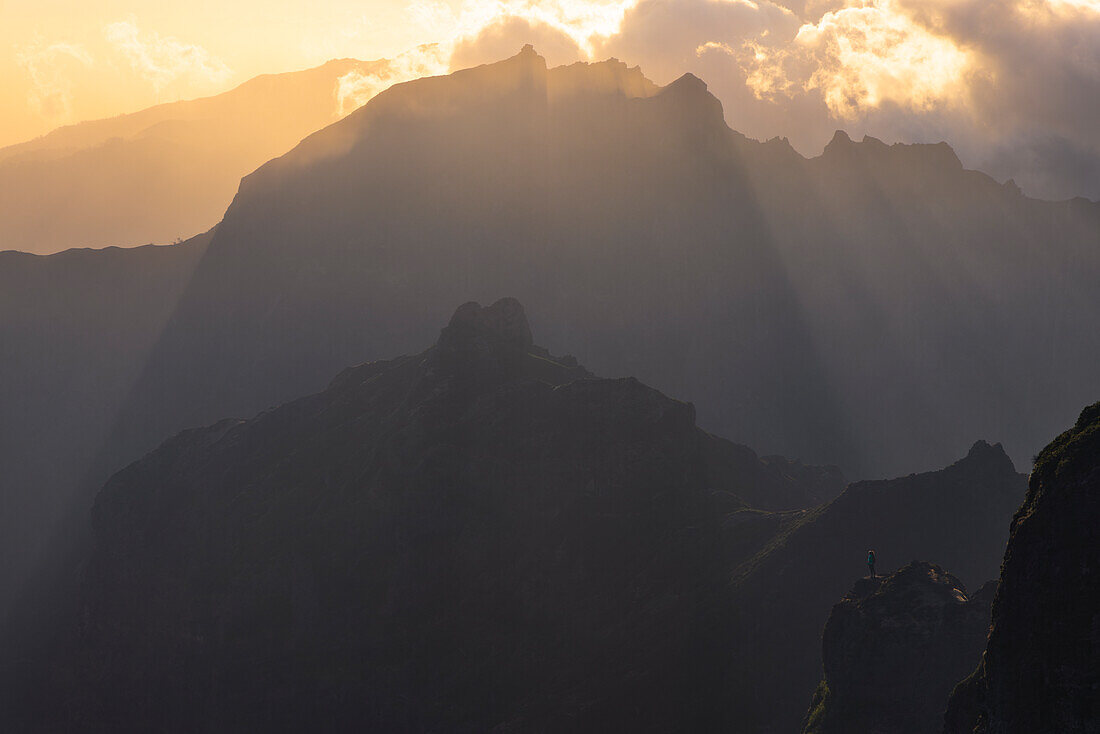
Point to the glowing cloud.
(48, 66)
(860, 58)
(583, 21)
(164, 60)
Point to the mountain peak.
(504, 323)
(985, 449)
(527, 56)
(688, 81)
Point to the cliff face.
(478, 536)
(894, 648)
(1039, 673)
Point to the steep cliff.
(1040, 672)
(894, 648)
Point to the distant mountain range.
(165, 173)
(877, 307)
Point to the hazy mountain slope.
(944, 305)
(1039, 672)
(165, 172)
(75, 328)
(478, 537)
(875, 307)
(956, 517)
(893, 649)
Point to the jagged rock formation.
(957, 515)
(893, 649)
(478, 536)
(1039, 673)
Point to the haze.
(975, 73)
(539, 366)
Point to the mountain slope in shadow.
(75, 329)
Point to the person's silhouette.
(871, 562)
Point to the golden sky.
(1014, 85)
(68, 60)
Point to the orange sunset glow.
(535, 366)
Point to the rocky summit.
(893, 649)
(482, 536)
(1040, 671)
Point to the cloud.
(164, 60)
(358, 86)
(670, 37)
(1013, 85)
(49, 67)
(860, 58)
(507, 35)
(483, 22)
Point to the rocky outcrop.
(958, 515)
(893, 649)
(1040, 671)
(482, 535)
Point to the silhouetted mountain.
(165, 172)
(893, 649)
(957, 516)
(478, 537)
(875, 307)
(1039, 672)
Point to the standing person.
(871, 562)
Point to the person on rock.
(871, 563)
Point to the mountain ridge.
(419, 505)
